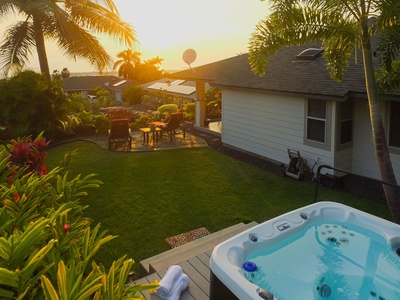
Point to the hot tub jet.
(325, 291)
(265, 294)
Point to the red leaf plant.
(29, 155)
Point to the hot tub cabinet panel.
(218, 290)
(322, 251)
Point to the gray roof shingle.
(284, 74)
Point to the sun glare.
(216, 29)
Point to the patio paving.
(178, 141)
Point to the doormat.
(184, 238)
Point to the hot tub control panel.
(283, 226)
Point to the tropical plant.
(149, 70)
(30, 104)
(102, 123)
(70, 23)
(61, 75)
(133, 94)
(103, 98)
(189, 111)
(343, 26)
(213, 94)
(389, 49)
(28, 155)
(120, 113)
(126, 65)
(167, 109)
(161, 97)
(130, 66)
(46, 244)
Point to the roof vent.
(310, 54)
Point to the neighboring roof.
(85, 83)
(284, 74)
(179, 88)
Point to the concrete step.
(176, 255)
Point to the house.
(83, 84)
(297, 105)
(182, 91)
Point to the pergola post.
(201, 104)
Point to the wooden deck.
(194, 258)
(198, 270)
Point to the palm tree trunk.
(40, 46)
(378, 133)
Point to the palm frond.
(389, 45)
(100, 20)
(295, 24)
(263, 43)
(18, 43)
(6, 9)
(81, 44)
(389, 80)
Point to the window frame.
(326, 145)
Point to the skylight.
(310, 54)
(119, 83)
(176, 82)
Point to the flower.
(153, 291)
(66, 227)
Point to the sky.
(215, 29)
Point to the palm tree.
(129, 59)
(389, 47)
(71, 23)
(149, 70)
(342, 26)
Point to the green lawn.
(149, 196)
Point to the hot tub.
(322, 251)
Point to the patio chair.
(173, 125)
(119, 132)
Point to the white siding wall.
(364, 161)
(267, 125)
(343, 159)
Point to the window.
(394, 124)
(346, 122)
(316, 121)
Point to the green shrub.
(133, 94)
(120, 113)
(46, 244)
(143, 120)
(102, 123)
(85, 125)
(31, 104)
(212, 110)
(213, 94)
(190, 111)
(167, 109)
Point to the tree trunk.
(40, 46)
(378, 133)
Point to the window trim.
(328, 126)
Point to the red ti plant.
(29, 155)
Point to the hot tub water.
(328, 261)
(322, 251)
